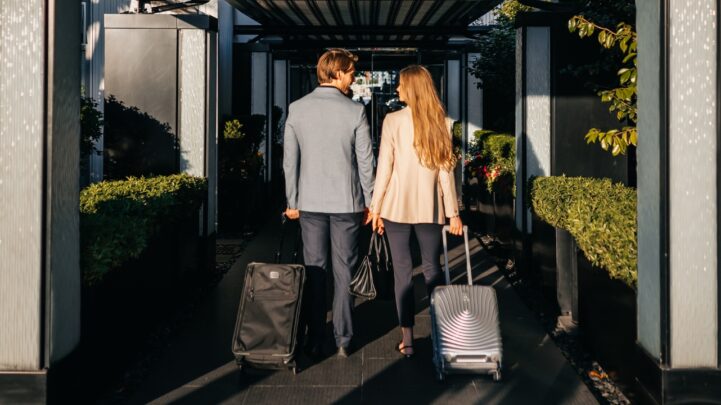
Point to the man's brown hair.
(332, 61)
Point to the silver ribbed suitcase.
(464, 324)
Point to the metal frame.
(524, 135)
(718, 183)
(664, 269)
(45, 248)
(385, 30)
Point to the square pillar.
(162, 74)
(533, 113)
(678, 280)
(474, 99)
(260, 99)
(39, 188)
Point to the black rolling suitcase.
(266, 328)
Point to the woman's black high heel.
(400, 350)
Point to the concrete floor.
(197, 367)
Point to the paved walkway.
(198, 367)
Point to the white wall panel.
(693, 150)
(192, 82)
(22, 73)
(474, 103)
(538, 103)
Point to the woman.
(415, 189)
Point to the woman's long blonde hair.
(431, 138)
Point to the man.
(328, 164)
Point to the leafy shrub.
(493, 161)
(119, 218)
(600, 215)
(457, 138)
(233, 130)
(500, 151)
(240, 160)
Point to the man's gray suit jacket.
(327, 154)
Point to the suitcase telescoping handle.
(284, 226)
(447, 229)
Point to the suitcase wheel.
(497, 375)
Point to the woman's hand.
(456, 226)
(378, 224)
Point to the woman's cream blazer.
(406, 191)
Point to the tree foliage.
(496, 65)
(91, 125)
(623, 99)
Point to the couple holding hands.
(330, 188)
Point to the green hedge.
(600, 215)
(118, 218)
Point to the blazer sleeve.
(448, 190)
(385, 166)
(364, 156)
(291, 162)
(448, 185)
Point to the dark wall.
(576, 108)
(578, 72)
(241, 84)
(140, 125)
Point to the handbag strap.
(384, 248)
(380, 246)
(372, 244)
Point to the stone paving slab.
(198, 367)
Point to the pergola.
(311, 23)
(285, 38)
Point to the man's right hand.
(367, 216)
(292, 214)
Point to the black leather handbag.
(378, 261)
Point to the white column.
(453, 87)
(259, 96)
(692, 149)
(684, 280)
(474, 103)
(280, 98)
(22, 84)
(197, 112)
(280, 85)
(536, 119)
(192, 86)
(39, 239)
